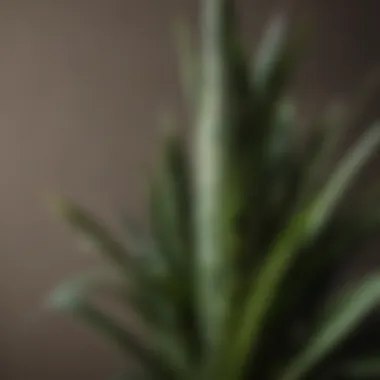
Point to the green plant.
(234, 279)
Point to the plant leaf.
(324, 144)
(170, 207)
(342, 177)
(214, 271)
(98, 282)
(148, 259)
(95, 232)
(347, 312)
(303, 227)
(69, 299)
(276, 59)
(271, 52)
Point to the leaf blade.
(93, 230)
(69, 299)
(302, 228)
(348, 311)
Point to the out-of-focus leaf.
(94, 232)
(69, 299)
(214, 269)
(146, 255)
(309, 283)
(278, 189)
(343, 176)
(273, 66)
(346, 312)
(239, 248)
(276, 59)
(303, 227)
(363, 368)
(324, 146)
(170, 206)
(155, 292)
(271, 51)
(97, 283)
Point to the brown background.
(81, 82)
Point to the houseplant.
(234, 278)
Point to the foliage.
(234, 279)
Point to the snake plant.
(235, 275)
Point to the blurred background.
(81, 84)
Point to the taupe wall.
(80, 84)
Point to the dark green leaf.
(303, 227)
(347, 311)
(69, 299)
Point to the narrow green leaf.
(302, 228)
(213, 270)
(276, 59)
(347, 312)
(324, 146)
(94, 232)
(342, 177)
(278, 189)
(156, 292)
(272, 48)
(68, 299)
(146, 255)
(98, 282)
(171, 205)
